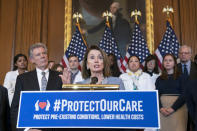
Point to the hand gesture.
(66, 76)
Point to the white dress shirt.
(39, 75)
(154, 77)
(78, 78)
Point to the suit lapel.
(35, 83)
(192, 67)
(180, 67)
(50, 80)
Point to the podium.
(89, 106)
(73, 87)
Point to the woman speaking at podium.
(95, 69)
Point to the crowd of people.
(175, 82)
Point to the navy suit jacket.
(191, 99)
(29, 82)
(189, 90)
(4, 110)
(193, 70)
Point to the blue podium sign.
(89, 109)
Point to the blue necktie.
(185, 71)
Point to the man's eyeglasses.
(184, 53)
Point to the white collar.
(40, 71)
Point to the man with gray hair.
(186, 66)
(189, 70)
(40, 79)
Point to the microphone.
(94, 80)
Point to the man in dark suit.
(39, 79)
(4, 110)
(191, 99)
(189, 71)
(186, 66)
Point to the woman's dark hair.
(86, 72)
(114, 67)
(16, 58)
(149, 58)
(133, 56)
(138, 60)
(56, 66)
(176, 73)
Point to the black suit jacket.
(191, 99)
(189, 84)
(29, 82)
(193, 70)
(4, 110)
